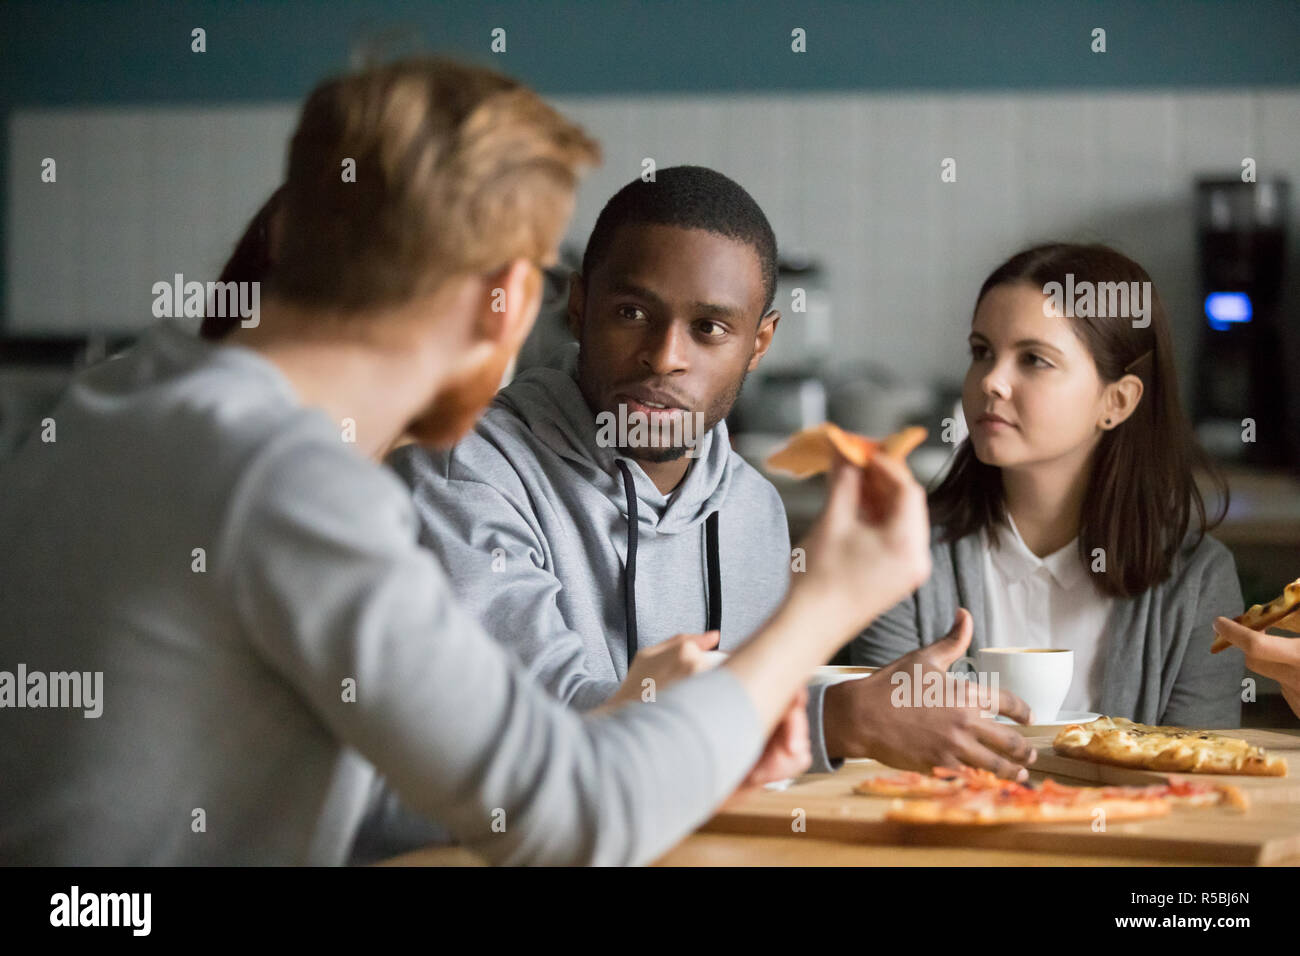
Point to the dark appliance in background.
(1241, 369)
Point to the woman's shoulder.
(948, 554)
(1200, 550)
(1203, 564)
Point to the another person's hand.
(870, 547)
(1267, 654)
(787, 752)
(669, 661)
(860, 718)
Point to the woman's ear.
(1120, 401)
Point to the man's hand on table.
(860, 719)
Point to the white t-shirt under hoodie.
(1047, 602)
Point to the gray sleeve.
(889, 637)
(822, 762)
(323, 569)
(1207, 687)
(496, 562)
(390, 828)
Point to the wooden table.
(732, 849)
(725, 849)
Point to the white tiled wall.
(853, 179)
(140, 196)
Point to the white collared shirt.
(1047, 602)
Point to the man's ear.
(763, 337)
(512, 297)
(1120, 401)
(577, 303)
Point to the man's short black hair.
(691, 197)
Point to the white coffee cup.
(1040, 676)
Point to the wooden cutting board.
(827, 808)
(1261, 789)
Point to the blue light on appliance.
(1227, 308)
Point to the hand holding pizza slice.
(1272, 655)
(1282, 611)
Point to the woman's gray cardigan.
(1158, 668)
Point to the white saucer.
(1062, 718)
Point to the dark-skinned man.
(584, 546)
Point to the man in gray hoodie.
(578, 552)
(586, 552)
(199, 533)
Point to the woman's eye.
(1037, 361)
(978, 351)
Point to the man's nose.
(665, 349)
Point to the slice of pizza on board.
(1124, 743)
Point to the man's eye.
(712, 329)
(631, 313)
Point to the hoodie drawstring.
(629, 583)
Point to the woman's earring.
(1108, 421)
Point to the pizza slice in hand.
(812, 451)
(1282, 611)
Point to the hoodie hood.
(547, 399)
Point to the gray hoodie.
(249, 596)
(529, 516)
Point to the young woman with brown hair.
(1070, 517)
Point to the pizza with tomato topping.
(978, 797)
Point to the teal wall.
(133, 52)
(58, 52)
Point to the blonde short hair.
(457, 169)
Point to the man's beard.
(458, 404)
(660, 453)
